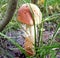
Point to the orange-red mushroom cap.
(25, 15)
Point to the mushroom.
(25, 17)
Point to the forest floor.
(17, 36)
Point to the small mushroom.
(25, 17)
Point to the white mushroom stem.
(29, 32)
(30, 29)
